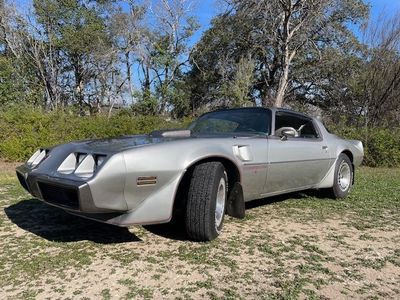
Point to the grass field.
(295, 246)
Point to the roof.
(272, 109)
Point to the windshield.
(237, 121)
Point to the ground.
(300, 245)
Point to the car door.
(296, 162)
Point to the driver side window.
(303, 126)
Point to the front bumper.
(103, 199)
(65, 193)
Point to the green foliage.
(251, 28)
(242, 83)
(179, 99)
(9, 87)
(78, 27)
(12, 89)
(146, 105)
(23, 129)
(381, 145)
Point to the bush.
(381, 145)
(23, 130)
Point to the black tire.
(201, 204)
(340, 189)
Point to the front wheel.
(343, 178)
(206, 203)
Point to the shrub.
(23, 129)
(381, 145)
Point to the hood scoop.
(172, 133)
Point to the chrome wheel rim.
(344, 176)
(220, 203)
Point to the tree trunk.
(284, 78)
(79, 88)
(283, 82)
(265, 97)
(146, 84)
(129, 75)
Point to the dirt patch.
(252, 259)
(286, 248)
(8, 167)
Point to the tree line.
(320, 55)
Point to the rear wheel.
(343, 179)
(206, 203)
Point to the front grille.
(59, 195)
(22, 181)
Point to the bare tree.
(32, 46)
(128, 30)
(174, 26)
(380, 76)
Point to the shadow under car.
(54, 224)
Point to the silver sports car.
(225, 158)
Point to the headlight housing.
(81, 164)
(37, 157)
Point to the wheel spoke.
(344, 176)
(220, 202)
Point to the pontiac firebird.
(225, 158)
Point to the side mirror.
(288, 132)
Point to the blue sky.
(387, 6)
(205, 11)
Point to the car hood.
(125, 142)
